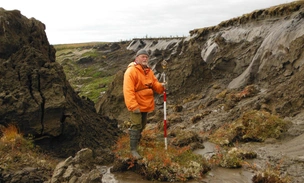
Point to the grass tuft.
(252, 126)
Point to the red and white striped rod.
(164, 66)
(165, 119)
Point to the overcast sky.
(75, 21)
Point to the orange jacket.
(138, 87)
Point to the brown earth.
(36, 96)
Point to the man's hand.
(136, 111)
(164, 84)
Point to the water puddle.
(124, 177)
(223, 175)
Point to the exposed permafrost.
(277, 39)
(154, 44)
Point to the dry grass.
(17, 152)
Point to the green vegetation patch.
(93, 54)
(252, 126)
(234, 157)
(59, 47)
(94, 87)
(270, 174)
(85, 68)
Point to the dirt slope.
(36, 96)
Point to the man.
(138, 89)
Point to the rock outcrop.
(79, 169)
(35, 94)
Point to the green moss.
(95, 86)
(93, 54)
(252, 126)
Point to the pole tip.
(164, 64)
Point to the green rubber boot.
(134, 140)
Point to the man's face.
(142, 59)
